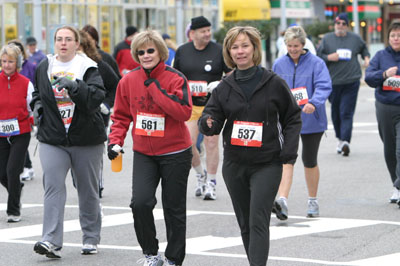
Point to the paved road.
(357, 226)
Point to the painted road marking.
(203, 245)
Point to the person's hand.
(212, 85)
(366, 61)
(37, 113)
(210, 122)
(104, 109)
(149, 81)
(308, 108)
(113, 150)
(64, 83)
(390, 72)
(333, 57)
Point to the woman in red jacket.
(15, 95)
(156, 98)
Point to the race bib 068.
(301, 95)
(344, 54)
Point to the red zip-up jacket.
(13, 103)
(167, 94)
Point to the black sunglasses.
(341, 23)
(149, 51)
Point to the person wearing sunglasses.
(156, 98)
(340, 50)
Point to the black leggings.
(12, 158)
(309, 154)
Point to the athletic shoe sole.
(88, 252)
(42, 249)
(312, 215)
(278, 211)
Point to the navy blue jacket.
(383, 60)
(312, 73)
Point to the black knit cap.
(130, 30)
(199, 22)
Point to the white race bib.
(9, 127)
(392, 84)
(301, 95)
(151, 125)
(247, 134)
(344, 54)
(66, 112)
(198, 88)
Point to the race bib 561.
(151, 125)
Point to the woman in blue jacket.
(308, 77)
(383, 74)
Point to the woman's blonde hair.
(231, 36)
(13, 51)
(148, 37)
(295, 32)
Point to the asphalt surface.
(357, 225)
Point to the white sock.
(212, 178)
(199, 169)
(312, 198)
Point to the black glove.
(149, 81)
(112, 154)
(64, 83)
(37, 113)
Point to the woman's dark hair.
(394, 26)
(92, 32)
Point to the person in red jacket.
(15, 129)
(156, 98)
(122, 52)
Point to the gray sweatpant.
(84, 162)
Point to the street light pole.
(283, 15)
(355, 17)
(21, 23)
(179, 21)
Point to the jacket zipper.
(9, 87)
(294, 76)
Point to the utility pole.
(179, 21)
(21, 23)
(355, 17)
(283, 15)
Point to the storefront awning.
(236, 10)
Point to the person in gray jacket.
(340, 50)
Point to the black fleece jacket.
(270, 103)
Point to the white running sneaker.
(13, 218)
(88, 249)
(395, 196)
(313, 209)
(339, 146)
(151, 260)
(27, 174)
(210, 192)
(201, 184)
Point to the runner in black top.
(202, 63)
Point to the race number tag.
(67, 112)
(344, 54)
(151, 125)
(301, 95)
(247, 134)
(9, 127)
(392, 84)
(198, 88)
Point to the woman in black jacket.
(71, 134)
(261, 122)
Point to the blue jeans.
(343, 99)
